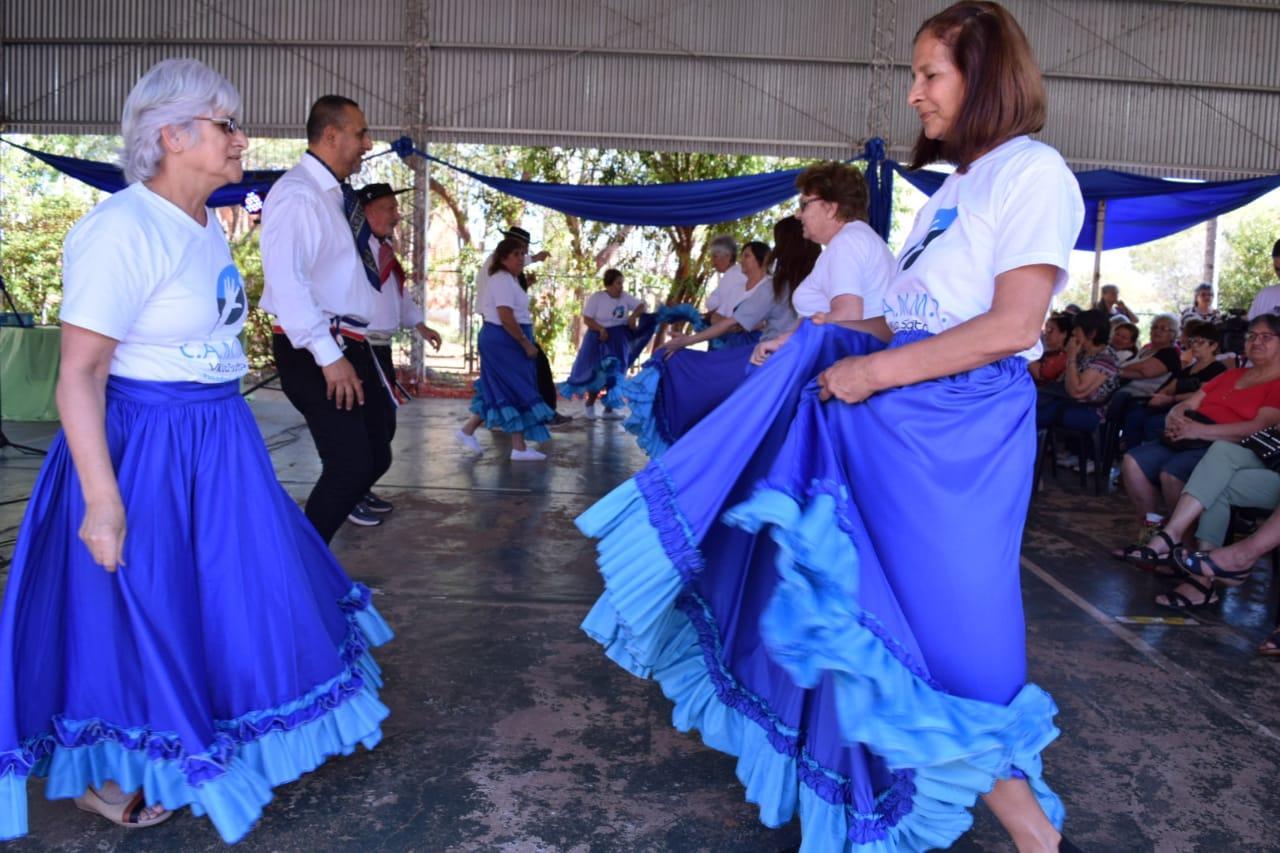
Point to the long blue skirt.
(506, 394)
(599, 366)
(669, 396)
(863, 656)
(229, 654)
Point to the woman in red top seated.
(1050, 366)
(1235, 404)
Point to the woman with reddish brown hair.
(865, 660)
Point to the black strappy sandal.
(1198, 564)
(1174, 600)
(1145, 557)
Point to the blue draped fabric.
(110, 178)
(1139, 209)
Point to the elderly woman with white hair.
(174, 631)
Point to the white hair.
(171, 94)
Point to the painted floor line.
(1222, 703)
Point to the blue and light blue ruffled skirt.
(506, 394)
(599, 367)
(830, 593)
(228, 655)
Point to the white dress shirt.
(310, 266)
(393, 306)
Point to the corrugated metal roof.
(1188, 89)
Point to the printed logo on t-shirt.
(231, 296)
(619, 311)
(905, 311)
(941, 222)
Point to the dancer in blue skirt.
(506, 394)
(846, 282)
(864, 657)
(611, 317)
(763, 306)
(175, 632)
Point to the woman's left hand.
(848, 380)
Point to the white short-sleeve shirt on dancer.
(139, 270)
(610, 312)
(856, 262)
(729, 292)
(762, 312)
(1017, 205)
(502, 290)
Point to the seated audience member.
(1156, 363)
(1238, 402)
(1124, 340)
(1201, 307)
(1110, 303)
(1268, 299)
(1228, 475)
(1049, 367)
(1089, 378)
(1203, 341)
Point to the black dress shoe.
(373, 503)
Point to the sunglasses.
(228, 124)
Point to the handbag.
(1183, 444)
(1266, 444)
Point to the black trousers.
(354, 446)
(546, 384)
(382, 352)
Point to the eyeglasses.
(805, 202)
(228, 124)
(1197, 342)
(1260, 337)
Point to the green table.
(29, 372)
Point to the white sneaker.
(468, 441)
(527, 455)
(612, 415)
(589, 412)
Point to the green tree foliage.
(1175, 263)
(1245, 260)
(32, 258)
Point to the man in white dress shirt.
(321, 282)
(732, 288)
(1268, 299)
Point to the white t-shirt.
(139, 270)
(610, 312)
(502, 289)
(856, 262)
(1266, 302)
(1017, 205)
(760, 310)
(729, 292)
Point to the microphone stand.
(4, 439)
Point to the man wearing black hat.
(394, 309)
(546, 382)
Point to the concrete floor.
(511, 732)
